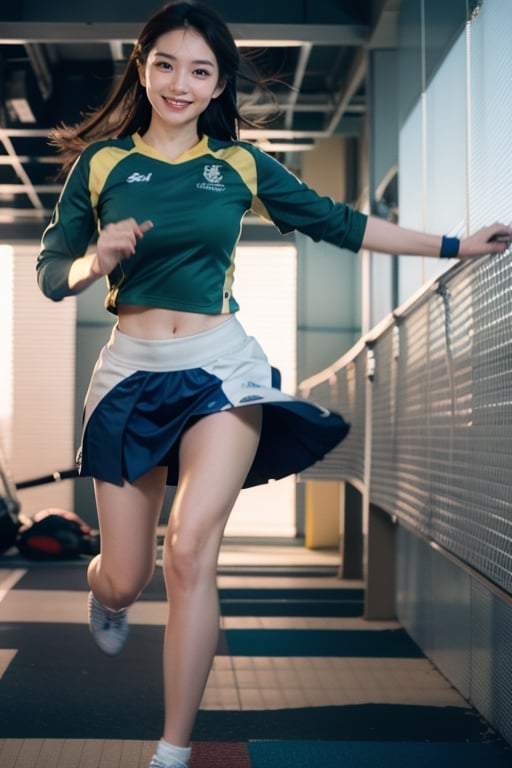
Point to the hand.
(493, 239)
(117, 241)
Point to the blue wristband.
(449, 247)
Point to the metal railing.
(429, 396)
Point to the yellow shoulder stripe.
(243, 162)
(102, 164)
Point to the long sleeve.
(69, 233)
(293, 205)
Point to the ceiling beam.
(246, 34)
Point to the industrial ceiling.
(58, 60)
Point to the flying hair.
(127, 109)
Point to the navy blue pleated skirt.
(144, 394)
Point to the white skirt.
(144, 394)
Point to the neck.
(171, 144)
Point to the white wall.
(266, 288)
(38, 381)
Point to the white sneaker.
(108, 628)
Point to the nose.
(179, 81)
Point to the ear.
(141, 69)
(221, 85)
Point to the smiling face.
(181, 77)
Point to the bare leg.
(128, 517)
(215, 456)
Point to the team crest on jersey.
(212, 174)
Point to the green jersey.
(197, 204)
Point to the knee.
(124, 592)
(122, 587)
(182, 562)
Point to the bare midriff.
(157, 323)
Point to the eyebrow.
(173, 58)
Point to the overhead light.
(282, 146)
(22, 98)
(20, 110)
(268, 43)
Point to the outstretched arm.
(384, 237)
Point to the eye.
(202, 72)
(164, 65)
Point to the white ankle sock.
(170, 756)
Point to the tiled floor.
(242, 682)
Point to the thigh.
(216, 454)
(128, 516)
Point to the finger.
(500, 238)
(128, 244)
(140, 229)
(496, 246)
(120, 244)
(499, 246)
(499, 232)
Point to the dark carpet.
(319, 754)
(81, 688)
(384, 643)
(313, 601)
(60, 686)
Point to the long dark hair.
(127, 110)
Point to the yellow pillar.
(323, 500)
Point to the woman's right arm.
(67, 237)
(115, 243)
(65, 266)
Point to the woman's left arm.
(384, 237)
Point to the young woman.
(180, 394)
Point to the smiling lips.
(177, 104)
